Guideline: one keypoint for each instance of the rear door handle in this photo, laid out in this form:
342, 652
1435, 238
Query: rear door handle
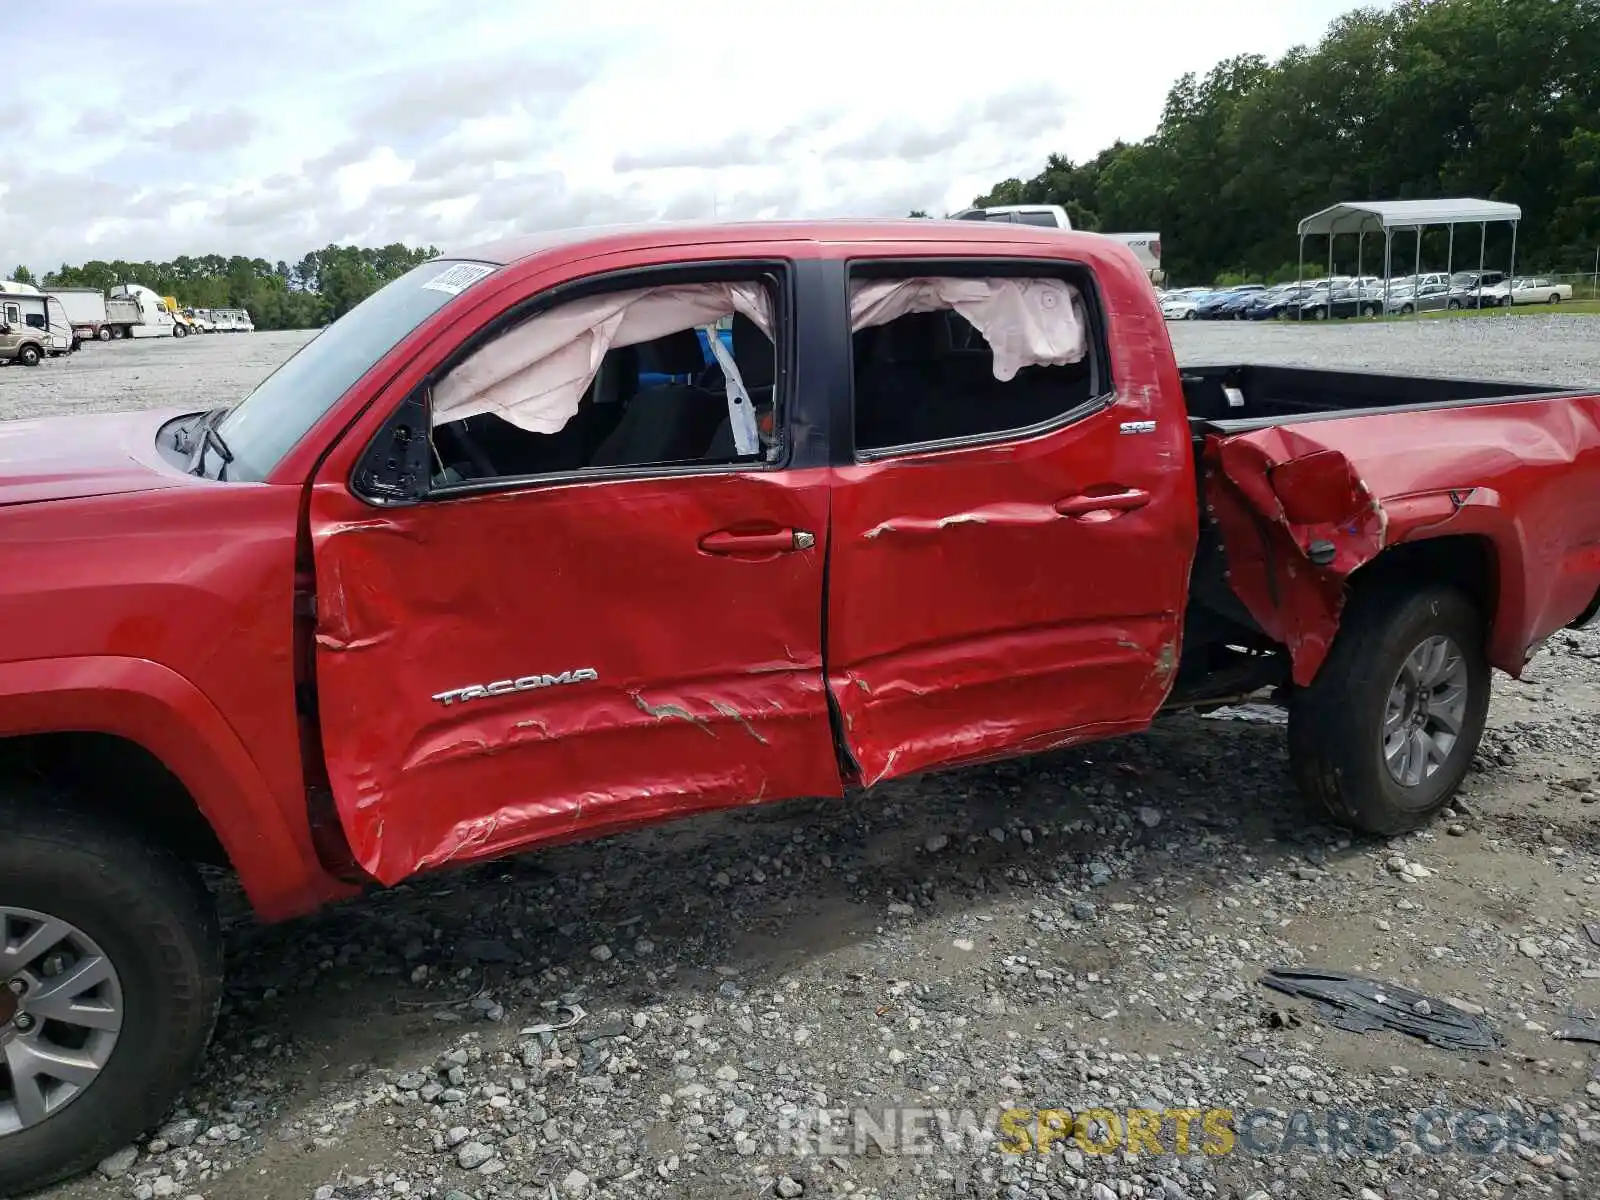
775, 541
1123, 501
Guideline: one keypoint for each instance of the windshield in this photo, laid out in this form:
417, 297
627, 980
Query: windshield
266, 424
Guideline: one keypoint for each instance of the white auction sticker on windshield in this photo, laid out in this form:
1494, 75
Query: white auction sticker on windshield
458, 278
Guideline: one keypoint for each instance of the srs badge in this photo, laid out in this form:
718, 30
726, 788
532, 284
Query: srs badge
527, 683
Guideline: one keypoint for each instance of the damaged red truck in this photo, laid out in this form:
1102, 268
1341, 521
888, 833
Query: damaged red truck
498, 560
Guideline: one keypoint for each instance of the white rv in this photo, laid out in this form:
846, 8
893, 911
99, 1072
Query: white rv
41, 312
232, 320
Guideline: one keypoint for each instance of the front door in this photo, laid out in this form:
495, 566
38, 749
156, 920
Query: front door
1010, 559
577, 630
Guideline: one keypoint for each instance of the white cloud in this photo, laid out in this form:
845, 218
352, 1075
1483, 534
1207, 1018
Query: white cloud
272, 129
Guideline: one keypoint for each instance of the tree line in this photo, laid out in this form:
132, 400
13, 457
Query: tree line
323, 286
1496, 99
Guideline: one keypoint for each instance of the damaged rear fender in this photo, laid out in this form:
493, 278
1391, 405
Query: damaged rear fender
1298, 523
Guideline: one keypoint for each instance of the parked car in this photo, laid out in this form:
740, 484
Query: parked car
1181, 306
1429, 297
1342, 302
1540, 290
1281, 302
1217, 304
1237, 306
324, 670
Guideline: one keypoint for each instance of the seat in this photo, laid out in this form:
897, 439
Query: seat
667, 422
756, 358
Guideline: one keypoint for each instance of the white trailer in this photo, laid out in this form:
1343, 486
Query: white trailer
86, 311
1146, 248
133, 310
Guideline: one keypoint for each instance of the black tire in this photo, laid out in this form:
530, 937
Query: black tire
1406, 310
1336, 724
153, 918
103, 333
1454, 305
1555, 298
28, 356
179, 331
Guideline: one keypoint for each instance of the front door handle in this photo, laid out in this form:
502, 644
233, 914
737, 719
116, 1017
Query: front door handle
1124, 501
767, 541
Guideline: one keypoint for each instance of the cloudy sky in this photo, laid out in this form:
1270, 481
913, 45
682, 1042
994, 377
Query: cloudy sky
270, 128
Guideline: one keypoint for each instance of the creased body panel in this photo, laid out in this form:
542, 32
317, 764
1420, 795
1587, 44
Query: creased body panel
981, 604
1522, 475
625, 674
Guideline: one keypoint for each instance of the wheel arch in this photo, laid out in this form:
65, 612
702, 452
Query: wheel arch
94, 717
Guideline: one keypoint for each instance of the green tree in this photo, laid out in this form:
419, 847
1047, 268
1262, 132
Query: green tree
22, 275
325, 284
1428, 98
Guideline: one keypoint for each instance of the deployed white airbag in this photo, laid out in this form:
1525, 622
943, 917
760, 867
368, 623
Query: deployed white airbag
535, 375
1027, 322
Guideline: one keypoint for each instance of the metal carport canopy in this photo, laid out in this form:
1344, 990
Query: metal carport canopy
1389, 215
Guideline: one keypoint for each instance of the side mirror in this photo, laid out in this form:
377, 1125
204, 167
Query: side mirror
396, 466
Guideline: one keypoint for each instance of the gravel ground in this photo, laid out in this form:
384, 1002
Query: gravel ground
1079, 930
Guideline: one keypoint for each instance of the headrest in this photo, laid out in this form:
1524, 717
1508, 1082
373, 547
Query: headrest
674, 354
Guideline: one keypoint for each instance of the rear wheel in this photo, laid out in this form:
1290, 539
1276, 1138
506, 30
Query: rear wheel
1369, 310
1385, 733
1555, 297
110, 975
1453, 305
1322, 314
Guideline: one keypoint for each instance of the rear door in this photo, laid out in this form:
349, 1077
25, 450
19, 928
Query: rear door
1009, 561
530, 653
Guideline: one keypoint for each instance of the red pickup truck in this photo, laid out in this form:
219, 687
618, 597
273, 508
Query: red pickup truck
499, 560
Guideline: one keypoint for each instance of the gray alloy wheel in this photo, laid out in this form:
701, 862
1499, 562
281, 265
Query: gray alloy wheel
61, 1014
1426, 711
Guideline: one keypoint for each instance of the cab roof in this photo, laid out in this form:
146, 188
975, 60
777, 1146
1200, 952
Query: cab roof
852, 231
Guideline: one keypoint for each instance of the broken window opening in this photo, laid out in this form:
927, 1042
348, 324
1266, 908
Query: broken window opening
674, 375
938, 359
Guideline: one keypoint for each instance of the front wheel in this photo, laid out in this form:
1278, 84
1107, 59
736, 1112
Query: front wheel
1370, 310
28, 356
1555, 297
110, 976
1385, 733
103, 333
179, 331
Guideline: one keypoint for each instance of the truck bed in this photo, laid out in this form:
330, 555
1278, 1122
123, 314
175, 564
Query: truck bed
1263, 395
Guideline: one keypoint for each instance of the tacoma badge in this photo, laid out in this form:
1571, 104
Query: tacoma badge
526, 683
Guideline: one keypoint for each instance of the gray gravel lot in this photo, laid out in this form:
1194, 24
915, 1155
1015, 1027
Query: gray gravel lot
1080, 930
